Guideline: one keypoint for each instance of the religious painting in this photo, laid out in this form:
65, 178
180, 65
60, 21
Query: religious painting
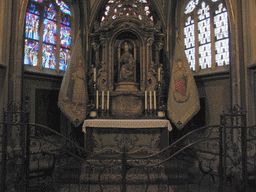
181, 93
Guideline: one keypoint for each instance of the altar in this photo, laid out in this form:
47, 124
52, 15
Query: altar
139, 136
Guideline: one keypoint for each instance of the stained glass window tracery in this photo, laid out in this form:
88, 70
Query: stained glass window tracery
48, 37
206, 34
132, 8
191, 6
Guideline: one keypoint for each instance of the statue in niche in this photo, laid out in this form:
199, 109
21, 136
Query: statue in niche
127, 65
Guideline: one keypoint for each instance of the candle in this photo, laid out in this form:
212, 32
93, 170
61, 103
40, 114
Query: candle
154, 99
97, 99
159, 75
146, 102
94, 74
102, 103
150, 100
108, 100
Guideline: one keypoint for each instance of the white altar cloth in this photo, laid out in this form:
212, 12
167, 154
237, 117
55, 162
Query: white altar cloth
127, 123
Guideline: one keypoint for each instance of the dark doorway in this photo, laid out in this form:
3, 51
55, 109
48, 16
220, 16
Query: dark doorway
49, 114
46, 109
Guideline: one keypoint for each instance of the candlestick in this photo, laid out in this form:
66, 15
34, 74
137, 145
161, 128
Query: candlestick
155, 100
150, 100
159, 74
107, 99
94, 73
102, 100
146, 102
97, 99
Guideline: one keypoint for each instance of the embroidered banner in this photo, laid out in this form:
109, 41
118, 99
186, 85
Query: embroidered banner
183, 100
73, 96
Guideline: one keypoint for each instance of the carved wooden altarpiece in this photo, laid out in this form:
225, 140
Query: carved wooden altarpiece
126, 58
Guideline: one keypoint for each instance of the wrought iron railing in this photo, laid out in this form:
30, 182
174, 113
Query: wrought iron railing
210, 158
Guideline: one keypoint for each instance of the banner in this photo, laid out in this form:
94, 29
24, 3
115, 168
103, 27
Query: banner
73, 96
183, 100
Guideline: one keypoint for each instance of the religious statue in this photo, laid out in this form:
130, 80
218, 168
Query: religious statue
126, 65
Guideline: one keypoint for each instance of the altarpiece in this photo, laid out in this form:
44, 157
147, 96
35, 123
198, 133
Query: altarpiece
125, 79
126, 58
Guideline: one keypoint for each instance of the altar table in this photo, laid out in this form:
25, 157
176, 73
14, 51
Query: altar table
127, 123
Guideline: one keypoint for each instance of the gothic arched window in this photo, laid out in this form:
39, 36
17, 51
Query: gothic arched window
47, 36
206, 34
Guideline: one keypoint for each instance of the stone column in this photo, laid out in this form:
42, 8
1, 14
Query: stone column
5, 30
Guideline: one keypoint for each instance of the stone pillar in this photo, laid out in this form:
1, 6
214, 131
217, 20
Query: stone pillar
5, 32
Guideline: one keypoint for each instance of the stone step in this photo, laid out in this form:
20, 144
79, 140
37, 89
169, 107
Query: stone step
116, 188
132, 188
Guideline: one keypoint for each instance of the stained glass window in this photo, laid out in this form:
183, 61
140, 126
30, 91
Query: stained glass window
31, 52
65, 36
189, 40
39, 1
131, 8
49, 56
191, 6
47, 39
221, 34
32, 26
50, 31
206, 34
63, 7
64, 58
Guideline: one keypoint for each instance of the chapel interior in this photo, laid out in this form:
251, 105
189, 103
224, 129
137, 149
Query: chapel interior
128, 50
151, 38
